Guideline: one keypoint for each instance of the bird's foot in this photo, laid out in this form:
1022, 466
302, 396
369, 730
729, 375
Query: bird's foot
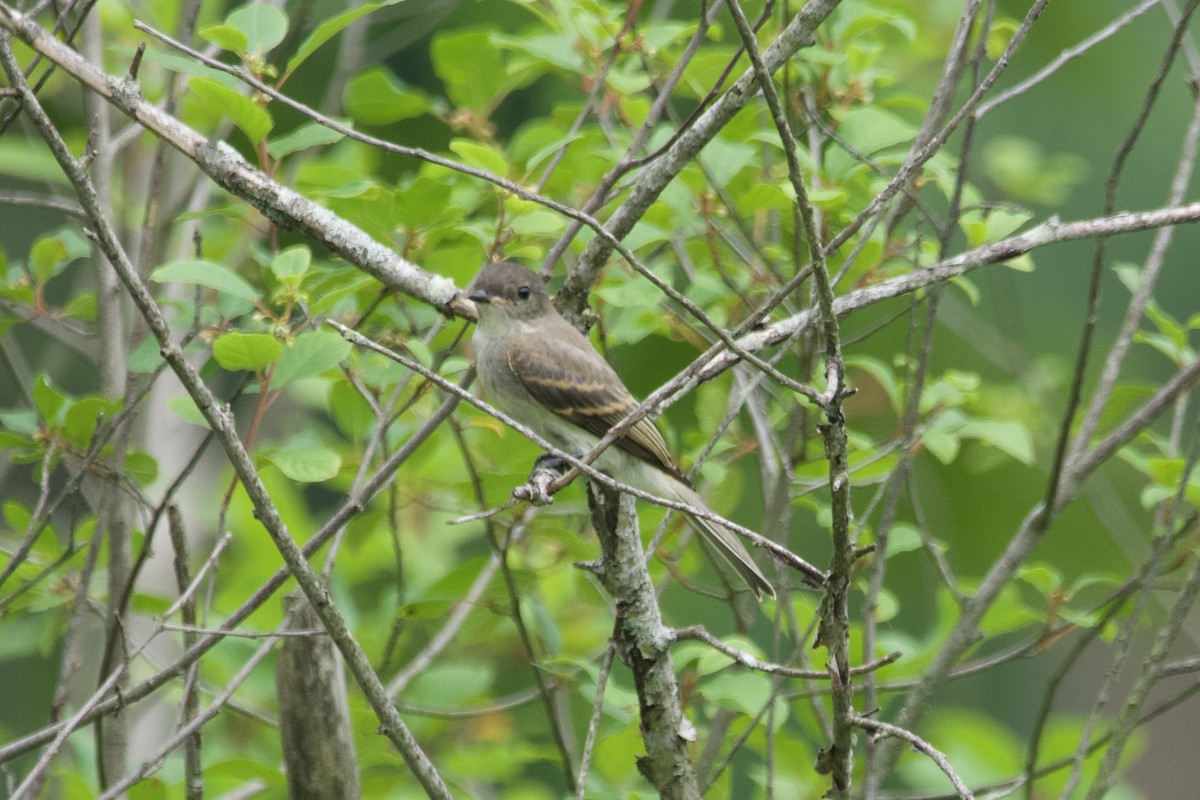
546, 470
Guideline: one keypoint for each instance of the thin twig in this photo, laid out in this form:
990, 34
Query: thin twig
936, 756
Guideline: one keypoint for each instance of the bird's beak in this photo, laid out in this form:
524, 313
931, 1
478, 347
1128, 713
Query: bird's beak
479, 296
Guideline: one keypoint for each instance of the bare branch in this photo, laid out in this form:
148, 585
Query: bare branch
922, 746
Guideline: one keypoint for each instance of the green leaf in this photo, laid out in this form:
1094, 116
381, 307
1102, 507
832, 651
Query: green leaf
480, 155
1042, 577
982, 749
23, 421
712, 661
50, 254
968, 288
306, 464
10, 440
186, 408
16, 515
871, 129
246, 351
902, 538
1168, 326
250, 117
264, 26
291, 264
450, 685
746, 692
82, 306
1006, 435
1003, 221
327, 30
1026, 174
888, 606
312, 134
152, 788
206, 273
85, 414
471, 68
534, 161
861, 18
942, 444
422, 202
226, 37
1021, 263
20, 158
145, 357
377, 97
142, 467
543, 626
550, 49
47, 400
312, 353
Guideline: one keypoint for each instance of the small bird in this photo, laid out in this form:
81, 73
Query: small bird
537, 368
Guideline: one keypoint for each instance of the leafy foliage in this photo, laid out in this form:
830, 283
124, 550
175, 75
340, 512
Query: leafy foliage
957, 440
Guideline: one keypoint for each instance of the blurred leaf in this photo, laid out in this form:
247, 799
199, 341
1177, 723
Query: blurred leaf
1044, 578
20, 420
310, 354
27, 160
82, 306
145, 357
1002, 222
142, 467
712, 661
542, 625
746, 692
471, 67
377, 97
85, 414
246, 351
290, 265
328, 29
861, 18
1027, 175
902, 538
941, 438
186, 408
50, 254
479, 155
981, 749
226, 37
888, 606
251, 118
47, 400
1009, 613
870, 129
310, 134
206, 273
263, 25
422, 202
16, 515
447, 686
1006, 435
305, 464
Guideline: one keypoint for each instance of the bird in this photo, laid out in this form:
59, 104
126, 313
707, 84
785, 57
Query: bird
540, 370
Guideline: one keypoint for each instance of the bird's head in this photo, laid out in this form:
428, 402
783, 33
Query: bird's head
503, 288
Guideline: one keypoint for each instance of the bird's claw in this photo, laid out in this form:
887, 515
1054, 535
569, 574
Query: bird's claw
548, 462
546, 470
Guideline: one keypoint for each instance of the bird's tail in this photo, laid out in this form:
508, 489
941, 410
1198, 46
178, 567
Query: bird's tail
725, 542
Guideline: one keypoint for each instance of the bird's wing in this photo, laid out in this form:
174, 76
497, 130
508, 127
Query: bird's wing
579, 386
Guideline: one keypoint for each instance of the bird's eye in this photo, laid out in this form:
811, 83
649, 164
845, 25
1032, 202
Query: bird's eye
523, 292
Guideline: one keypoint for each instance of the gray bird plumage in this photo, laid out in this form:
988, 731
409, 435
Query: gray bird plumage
536, 367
